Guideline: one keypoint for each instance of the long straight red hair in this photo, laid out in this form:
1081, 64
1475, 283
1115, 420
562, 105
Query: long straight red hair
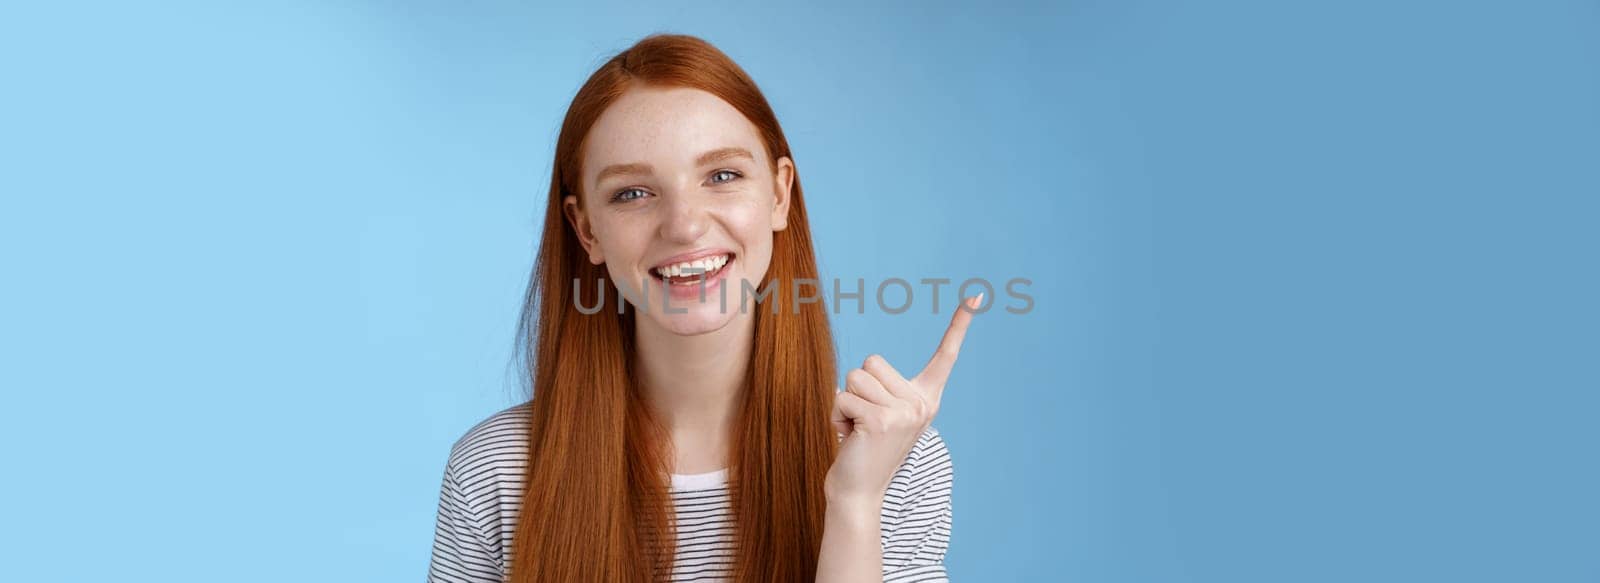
596, 504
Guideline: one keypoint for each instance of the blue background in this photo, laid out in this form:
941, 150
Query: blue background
1314, 283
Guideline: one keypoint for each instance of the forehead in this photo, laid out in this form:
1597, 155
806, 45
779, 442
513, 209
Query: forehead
665, 127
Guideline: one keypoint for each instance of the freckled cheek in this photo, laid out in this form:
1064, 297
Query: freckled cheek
624, 241
748, 224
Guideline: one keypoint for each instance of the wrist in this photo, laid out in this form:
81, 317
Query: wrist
852, 495
855, 505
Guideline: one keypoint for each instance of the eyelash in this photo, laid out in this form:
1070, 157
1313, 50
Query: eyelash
619, 198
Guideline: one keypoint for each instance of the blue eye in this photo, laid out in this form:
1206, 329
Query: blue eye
733, 176
622, 195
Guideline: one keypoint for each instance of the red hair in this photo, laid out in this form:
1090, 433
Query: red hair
596, 505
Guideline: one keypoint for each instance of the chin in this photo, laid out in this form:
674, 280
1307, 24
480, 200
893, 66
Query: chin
699, 320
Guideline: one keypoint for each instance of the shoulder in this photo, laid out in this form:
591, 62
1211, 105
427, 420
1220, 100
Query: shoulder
926, 470
929, 453
494, 429
492, 452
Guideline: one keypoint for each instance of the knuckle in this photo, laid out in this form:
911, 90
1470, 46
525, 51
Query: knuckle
856, 376
872, 360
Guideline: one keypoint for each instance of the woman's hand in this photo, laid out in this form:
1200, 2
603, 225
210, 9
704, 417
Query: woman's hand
882, 414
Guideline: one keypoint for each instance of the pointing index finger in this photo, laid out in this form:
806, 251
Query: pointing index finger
938, 369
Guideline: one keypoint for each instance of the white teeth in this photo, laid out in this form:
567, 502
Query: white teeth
697, 266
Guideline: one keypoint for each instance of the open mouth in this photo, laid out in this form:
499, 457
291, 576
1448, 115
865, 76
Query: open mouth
690, 273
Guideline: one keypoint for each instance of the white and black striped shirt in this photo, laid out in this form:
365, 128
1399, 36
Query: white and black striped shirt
482, 490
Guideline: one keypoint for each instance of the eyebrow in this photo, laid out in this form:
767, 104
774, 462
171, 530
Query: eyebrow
640, 168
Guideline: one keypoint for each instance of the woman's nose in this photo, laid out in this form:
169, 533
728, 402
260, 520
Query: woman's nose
685, 221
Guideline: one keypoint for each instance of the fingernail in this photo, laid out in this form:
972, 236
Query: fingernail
976, 301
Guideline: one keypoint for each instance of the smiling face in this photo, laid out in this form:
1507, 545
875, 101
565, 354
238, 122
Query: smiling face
679, 193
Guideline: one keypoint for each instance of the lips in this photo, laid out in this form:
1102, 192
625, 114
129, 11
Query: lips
691, 267
691, 272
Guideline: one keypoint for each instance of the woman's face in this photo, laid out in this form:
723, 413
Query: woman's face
676, 181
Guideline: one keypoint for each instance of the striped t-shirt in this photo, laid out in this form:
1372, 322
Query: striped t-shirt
484, 477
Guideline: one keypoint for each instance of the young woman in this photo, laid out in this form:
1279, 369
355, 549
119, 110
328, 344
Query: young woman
684, 426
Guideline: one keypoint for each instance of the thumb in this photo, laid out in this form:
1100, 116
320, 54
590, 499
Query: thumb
847, 408
841, 422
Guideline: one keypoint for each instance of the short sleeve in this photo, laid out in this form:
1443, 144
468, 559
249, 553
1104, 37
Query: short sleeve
461, 553
917, 514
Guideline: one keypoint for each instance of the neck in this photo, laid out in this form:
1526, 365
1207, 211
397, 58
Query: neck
693, 385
